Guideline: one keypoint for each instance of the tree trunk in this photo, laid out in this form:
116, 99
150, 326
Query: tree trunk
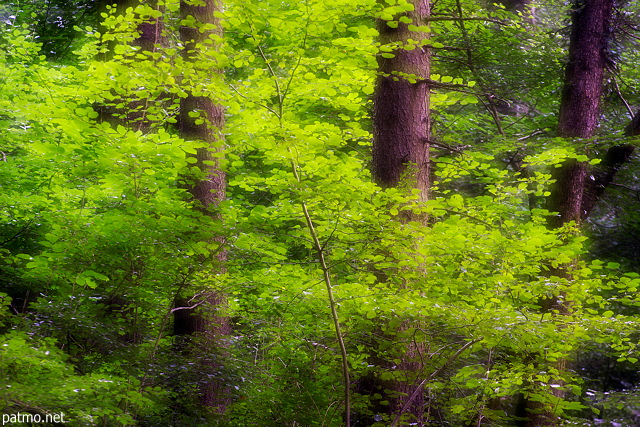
401, 122
516, 5
580, 102
401, 129
151, 34
602, 175
579, 118
197, 320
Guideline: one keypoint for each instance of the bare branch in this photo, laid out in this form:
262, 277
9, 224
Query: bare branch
429, 378
173, 310
626, 104
458, 19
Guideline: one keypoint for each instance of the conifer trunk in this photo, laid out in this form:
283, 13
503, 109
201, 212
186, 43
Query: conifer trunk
202, 328
580, 103
400, 158
578, 118
132, 115
401, 121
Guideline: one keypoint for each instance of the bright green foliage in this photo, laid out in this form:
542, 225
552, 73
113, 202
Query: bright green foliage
99, 233
38, 379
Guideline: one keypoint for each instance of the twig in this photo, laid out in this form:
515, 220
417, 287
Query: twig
459, 19
266, 107
173, 310
531, 135
318, 246
19, 232
450, 86
429, 378
625, 187
450, 148
626, 104
489, 104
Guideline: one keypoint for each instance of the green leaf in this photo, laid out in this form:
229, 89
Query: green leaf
456, 201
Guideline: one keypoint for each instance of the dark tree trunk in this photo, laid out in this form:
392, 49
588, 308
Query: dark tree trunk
602, 175
200, 327
633, 128
401, 129
210, 190
567, 194
580, 103
579, 118
401, 122
151, 36
516, 5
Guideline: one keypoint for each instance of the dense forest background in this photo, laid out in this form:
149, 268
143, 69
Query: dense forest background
320, 212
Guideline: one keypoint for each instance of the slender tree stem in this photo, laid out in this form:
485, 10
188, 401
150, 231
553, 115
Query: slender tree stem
332, 302
319, 248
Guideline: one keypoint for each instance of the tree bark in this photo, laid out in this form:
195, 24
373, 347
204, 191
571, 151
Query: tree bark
151, 35
400, 158
580, 102
401, 121
197, 320
578, 118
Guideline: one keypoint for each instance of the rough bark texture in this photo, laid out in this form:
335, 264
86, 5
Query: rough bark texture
151, 37
411, 364
202, 325
579, 118
401, 128
566, 198
401, 121
210, 191
580, 103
